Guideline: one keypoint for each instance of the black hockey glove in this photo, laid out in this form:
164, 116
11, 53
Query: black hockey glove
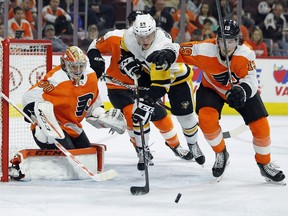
236, 97
162, 58
129, 66
144, 110
97, 62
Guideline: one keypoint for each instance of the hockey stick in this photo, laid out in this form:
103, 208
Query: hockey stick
141, 190
226, 134
109, 174
221, 24
235, 132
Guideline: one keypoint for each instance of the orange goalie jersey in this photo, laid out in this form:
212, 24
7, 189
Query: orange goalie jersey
110, 43
215, 71
71, 102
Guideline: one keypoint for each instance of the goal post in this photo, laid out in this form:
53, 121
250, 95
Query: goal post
22, 64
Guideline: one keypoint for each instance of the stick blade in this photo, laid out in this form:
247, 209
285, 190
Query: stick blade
138, 190
104, 176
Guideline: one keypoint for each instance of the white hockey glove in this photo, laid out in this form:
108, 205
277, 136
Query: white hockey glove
112, 118
42, 137
47, 121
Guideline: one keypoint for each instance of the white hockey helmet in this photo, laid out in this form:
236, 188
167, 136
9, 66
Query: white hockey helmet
74, 63
144, 25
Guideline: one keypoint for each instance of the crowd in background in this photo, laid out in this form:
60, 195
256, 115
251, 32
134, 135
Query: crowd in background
263, 23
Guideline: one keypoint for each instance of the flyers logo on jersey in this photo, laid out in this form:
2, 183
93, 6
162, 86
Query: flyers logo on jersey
83, 104
223, 78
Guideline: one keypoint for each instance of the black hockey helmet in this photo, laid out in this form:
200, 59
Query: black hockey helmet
132, 16
231, 29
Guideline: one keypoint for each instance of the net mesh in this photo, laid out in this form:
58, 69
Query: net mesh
27, 66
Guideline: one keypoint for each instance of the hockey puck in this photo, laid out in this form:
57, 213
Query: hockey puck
178, 197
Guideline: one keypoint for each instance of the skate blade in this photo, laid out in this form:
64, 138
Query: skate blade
283, 183
218, 179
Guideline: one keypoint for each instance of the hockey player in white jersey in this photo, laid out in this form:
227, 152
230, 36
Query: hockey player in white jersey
139, 45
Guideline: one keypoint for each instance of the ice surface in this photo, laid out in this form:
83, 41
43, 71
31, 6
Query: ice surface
242, 191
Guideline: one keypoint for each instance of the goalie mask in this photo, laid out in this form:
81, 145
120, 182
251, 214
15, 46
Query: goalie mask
144, 28
231, 32
74, 63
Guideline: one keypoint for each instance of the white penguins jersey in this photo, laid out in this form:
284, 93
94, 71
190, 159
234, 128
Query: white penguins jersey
177, 73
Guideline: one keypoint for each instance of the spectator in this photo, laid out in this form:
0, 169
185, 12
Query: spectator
205, 12
189, 29
68, 6
207, 31
274, 26
142, 5
29, 14
225, 7
57, 43
18, 27
177, 14
1, 30
101, 15
162, 17
93, 34
263, 9
257, 44
194, 6
53, 14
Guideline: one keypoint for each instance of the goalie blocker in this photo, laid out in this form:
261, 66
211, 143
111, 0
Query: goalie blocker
33, 164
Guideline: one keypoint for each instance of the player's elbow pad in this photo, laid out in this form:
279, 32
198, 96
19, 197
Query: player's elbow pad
97, 62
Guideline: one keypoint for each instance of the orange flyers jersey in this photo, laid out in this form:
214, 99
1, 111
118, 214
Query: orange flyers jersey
71, 103
205, 55
50, 16
177, 73
110, 43
24, 25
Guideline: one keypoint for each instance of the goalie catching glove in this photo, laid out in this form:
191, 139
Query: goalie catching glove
236, 97
144, 110
112, 118
162, 58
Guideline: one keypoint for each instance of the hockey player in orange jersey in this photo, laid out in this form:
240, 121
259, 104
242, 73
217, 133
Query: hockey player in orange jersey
139, 44
242, 95
72, 88
122, 97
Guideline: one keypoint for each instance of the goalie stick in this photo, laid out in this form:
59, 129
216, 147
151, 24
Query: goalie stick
141, 190
226, 134
103, 176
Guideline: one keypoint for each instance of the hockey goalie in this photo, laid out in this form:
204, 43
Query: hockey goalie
56, 105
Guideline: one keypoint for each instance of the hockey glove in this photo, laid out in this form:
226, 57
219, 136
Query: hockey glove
97, 62
113, 119
236, 97
129, 67
144, 111
162, 58
42, 137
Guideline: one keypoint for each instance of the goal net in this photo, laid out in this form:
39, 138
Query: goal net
22, 64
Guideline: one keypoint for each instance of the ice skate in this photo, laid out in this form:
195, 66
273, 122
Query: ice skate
197, 153
220, 165
182, 153
271, 174
148, 157
15, 173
